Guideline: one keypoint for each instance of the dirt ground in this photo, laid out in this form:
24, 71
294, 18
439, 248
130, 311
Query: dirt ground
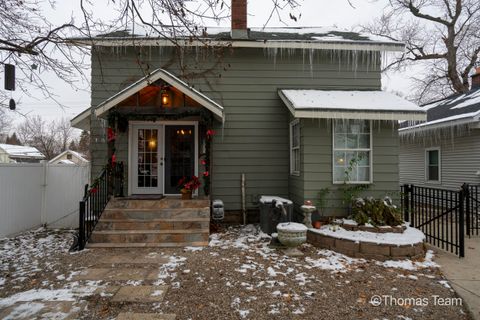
237, 277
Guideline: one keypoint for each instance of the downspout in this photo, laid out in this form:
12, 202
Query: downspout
244, 209
43, 209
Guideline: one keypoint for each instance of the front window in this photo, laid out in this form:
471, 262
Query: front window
295, 147
352, 151
433, 165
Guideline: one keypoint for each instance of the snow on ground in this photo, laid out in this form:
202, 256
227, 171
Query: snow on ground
411, 265
31, 252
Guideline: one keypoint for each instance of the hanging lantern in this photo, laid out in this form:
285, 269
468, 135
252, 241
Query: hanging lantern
12, 104
165, 97
9, 77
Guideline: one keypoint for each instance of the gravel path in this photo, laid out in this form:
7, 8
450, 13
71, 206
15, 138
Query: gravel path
237, 276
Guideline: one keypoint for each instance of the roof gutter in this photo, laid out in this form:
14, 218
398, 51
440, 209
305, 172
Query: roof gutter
263, 44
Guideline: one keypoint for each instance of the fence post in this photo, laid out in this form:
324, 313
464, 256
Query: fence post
461, 223
466, 190
406, 202
411, 205
81, 226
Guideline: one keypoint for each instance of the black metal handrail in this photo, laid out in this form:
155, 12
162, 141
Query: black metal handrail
95, 199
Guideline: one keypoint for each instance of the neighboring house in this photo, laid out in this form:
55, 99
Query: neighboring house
69, 157
291, 108
444, 152
10, 153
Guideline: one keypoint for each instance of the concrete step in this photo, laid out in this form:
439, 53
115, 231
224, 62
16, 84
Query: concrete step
147, 245
149, 236
165, 203
150, 214
154, 224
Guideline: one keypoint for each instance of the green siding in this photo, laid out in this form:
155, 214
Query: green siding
254, 138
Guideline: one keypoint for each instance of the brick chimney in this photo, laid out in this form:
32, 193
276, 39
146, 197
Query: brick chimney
476, 79
239, 20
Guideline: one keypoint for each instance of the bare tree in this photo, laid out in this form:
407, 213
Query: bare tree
441, 35
4, 121
50, 138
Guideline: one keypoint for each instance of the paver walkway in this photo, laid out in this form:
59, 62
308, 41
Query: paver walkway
117, 281
464, 273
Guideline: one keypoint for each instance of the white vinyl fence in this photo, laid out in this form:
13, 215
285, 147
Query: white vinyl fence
34, 194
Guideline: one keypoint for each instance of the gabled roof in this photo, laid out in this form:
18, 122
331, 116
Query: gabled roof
458, 109
80, 120
339, 104
73, 153
15, 151
283, 37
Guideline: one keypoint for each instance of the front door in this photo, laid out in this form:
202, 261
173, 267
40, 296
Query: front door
147, 161
179, 155
162, 154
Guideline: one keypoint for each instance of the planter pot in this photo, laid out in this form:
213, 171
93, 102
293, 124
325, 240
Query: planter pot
187, 195
317, 224
291, 235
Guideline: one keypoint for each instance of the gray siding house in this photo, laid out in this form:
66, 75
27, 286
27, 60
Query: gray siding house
444, 152
291, 108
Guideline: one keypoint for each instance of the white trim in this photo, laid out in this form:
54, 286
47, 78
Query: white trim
81, 121
427, 150
166, 76
291, 125
161, 124
370, 150
353, 45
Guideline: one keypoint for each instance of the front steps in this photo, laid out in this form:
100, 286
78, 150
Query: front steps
167, 222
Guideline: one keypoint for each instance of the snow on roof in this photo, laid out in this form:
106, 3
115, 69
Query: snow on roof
77, 155
286, 37
458, 109
336, 104
21, 151
66, 161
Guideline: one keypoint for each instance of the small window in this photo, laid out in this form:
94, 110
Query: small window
433, 165
69, 156
352, 151
295, 147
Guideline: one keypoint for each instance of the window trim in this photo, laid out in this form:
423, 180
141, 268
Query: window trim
362, 149
295, 122
426, 166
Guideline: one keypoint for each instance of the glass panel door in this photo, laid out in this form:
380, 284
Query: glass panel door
179, 155
147, 161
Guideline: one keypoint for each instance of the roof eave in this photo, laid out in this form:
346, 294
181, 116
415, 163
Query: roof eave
361, 45
439, 125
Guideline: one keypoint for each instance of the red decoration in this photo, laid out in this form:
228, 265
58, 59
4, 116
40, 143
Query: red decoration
206, 174
190, 185
203, 162
110, 135
210, 133
94, 190
114, 158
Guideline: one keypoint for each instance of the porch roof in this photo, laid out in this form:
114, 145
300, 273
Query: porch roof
337, 104
81, 120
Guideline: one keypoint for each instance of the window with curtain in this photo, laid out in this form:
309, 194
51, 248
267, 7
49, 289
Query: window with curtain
352, 151
295, 147
433, 165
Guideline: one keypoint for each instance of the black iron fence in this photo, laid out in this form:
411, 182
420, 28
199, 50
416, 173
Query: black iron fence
96, 197
444, 216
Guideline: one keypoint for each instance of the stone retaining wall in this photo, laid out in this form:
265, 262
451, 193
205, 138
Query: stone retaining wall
367, 250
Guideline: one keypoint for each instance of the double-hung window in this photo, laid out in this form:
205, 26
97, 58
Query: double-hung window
352, 151
295, 147
432, 164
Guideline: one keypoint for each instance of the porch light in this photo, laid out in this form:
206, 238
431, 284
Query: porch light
165, 98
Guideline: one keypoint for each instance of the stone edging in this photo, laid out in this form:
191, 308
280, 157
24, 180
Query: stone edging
385, 229
367, 250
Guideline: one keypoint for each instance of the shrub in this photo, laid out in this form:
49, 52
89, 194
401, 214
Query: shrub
377, 212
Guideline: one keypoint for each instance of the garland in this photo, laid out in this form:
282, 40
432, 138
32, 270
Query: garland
119, 121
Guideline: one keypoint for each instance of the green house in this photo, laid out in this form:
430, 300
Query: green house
299, 112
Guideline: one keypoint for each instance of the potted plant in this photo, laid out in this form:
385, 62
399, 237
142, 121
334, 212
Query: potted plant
187, 186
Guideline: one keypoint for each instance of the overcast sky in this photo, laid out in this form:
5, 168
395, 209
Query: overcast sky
313, 13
